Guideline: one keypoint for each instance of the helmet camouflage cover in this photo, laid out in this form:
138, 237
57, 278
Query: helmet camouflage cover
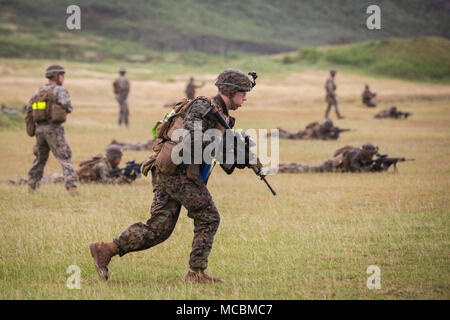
113, 151
54, 70
231, 81
328, 123
369, 148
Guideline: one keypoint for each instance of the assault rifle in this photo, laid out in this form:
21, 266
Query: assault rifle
335, 132
132, 171
214, 114
401, 114
382, 163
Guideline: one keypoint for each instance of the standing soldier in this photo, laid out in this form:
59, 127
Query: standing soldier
330, 97
121, 89
48, 108
181, 185
190, 88
367, 96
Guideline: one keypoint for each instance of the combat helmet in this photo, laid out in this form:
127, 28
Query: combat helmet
369, 148
328, 123
114, 151
122, 69
54, 70
333, 71
231, 81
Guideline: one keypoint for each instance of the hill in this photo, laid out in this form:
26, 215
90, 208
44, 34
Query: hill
142, 30
422, 58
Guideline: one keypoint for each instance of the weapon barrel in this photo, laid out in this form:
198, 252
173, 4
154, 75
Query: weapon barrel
255, 169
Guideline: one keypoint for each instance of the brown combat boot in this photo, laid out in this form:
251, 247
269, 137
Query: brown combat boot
73, 191
196, 275
102, 253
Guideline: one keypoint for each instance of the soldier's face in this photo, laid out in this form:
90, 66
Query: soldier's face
116, 162
239, 98
60, 79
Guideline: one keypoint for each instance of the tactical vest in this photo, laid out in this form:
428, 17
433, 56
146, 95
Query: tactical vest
340, 162
86, 172
43, 107
164, 143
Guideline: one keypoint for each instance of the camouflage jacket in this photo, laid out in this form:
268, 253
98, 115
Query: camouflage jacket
354, 161
103, 172
60, 96
330, 86
121, 86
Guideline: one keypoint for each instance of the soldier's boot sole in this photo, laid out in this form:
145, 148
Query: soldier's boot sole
102, 272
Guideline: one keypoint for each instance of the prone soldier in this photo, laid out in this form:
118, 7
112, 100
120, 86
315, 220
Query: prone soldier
144, 145
314, 130
45, 113
345, 159
97, 169
103, 170
392, 113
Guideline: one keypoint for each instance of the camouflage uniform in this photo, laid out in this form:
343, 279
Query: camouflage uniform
101, 170
326, 166
346, 159
182, 187
392, 113
51, 136
330, 97
190, 89
121, 90
144, 145
314, 130
367, 97
50, 178
284, 134
170, 193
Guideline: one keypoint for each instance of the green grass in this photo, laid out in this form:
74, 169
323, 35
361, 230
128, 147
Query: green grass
314, 240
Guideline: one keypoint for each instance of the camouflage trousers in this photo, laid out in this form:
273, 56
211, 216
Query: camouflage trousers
51, 178
332, 102
170, 193
326, 166
51, 137
123, 109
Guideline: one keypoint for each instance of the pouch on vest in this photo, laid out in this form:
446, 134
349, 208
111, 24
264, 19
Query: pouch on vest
86, 172
30, 124
58, 114
116, 87
163, 160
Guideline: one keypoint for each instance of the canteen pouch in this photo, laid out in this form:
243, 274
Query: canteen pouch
163, 160
58, 114
30, 125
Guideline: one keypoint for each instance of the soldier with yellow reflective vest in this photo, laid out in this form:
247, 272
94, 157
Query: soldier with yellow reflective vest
45, 112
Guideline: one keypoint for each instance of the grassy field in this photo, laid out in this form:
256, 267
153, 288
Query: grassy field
314, 240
